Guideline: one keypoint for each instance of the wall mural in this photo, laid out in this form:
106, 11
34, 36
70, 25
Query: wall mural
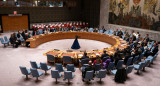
135, 13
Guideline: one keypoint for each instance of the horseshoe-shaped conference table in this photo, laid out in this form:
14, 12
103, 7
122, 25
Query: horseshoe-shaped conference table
115, 41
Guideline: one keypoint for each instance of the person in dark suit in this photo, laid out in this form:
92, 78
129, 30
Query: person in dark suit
37, 32
127, 56
153, 50
116, 32
85, 56
133, 38
103, 29
44, 29
13, 40
19, 34
120, 33
144, 43
88, 68
117, 56
34, 31
26, 37
104, 55
142, 47
23, 33
127, 50
19, 37
147, 38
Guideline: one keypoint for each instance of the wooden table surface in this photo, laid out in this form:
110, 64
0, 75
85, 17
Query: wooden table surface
113, 40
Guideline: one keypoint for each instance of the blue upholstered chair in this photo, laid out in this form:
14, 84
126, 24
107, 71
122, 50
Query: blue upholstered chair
6, 39
101, 74
89, 75
114, 72
97, 67
129, 61
139, 67
129, 69
45, 67
107, 32
152, 58
68, 75
84, 66
146, 64
35, 65
100, 31
150, 46
36, 73
119, 64
67, 59
141, 56
50, 58
25, 71
110, 66
135, 59
55, 74
59, 67
4, 42
70, 67
111, 32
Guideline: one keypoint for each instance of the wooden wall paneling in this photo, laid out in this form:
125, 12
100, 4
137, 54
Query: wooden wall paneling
12, 23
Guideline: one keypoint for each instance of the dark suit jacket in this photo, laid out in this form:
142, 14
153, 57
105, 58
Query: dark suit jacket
23, 34
44, 30
33, 33
13, 40
126, 58
146, 38
155, 50
18, 35
104, 55
88, 68
84, 57
26, 37
120, 33
116, 54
